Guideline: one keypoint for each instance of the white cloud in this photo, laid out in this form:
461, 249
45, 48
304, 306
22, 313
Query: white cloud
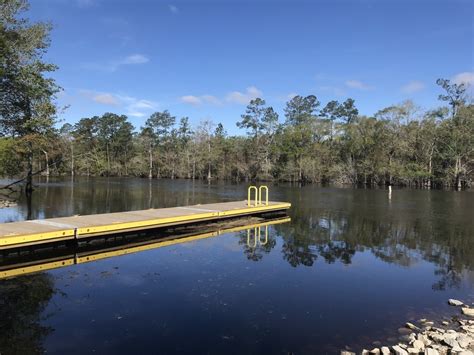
359, 85
211, 100
243, 98
135, 59
174, 9
106, 99
192, 100
412, 87
234, 97
132, 106
199, 100
465, 78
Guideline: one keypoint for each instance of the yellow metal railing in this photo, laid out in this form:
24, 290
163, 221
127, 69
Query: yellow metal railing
258, 195
257, 237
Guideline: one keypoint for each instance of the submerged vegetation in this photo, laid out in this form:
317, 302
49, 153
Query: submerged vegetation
308, 142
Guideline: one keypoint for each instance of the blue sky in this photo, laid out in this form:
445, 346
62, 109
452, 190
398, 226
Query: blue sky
207, 59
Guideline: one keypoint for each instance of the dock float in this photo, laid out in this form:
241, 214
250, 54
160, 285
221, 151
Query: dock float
77, 255
34, 232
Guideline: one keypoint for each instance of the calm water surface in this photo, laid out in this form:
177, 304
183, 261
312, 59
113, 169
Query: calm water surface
351, 267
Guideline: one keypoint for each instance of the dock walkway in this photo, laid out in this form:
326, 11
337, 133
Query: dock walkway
18, 234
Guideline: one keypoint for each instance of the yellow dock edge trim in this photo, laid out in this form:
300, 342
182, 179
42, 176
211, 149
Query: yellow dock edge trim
36, 268
28, 238
124, 227
99, 256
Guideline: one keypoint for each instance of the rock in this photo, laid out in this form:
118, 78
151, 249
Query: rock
411, 326
399, 350
365, 352
436, 337
429, 351
385, 350
445, 323
463, 340
424, 338
456, 349
466, 352
454, 302
451, 342
468, 311
345, 352
404, 331
375, 351
418, 344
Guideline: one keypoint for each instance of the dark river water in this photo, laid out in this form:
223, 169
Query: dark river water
350, 268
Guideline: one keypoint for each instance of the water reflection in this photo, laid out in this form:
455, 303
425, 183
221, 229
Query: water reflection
21, 313
256, 242
28, 260
350, 268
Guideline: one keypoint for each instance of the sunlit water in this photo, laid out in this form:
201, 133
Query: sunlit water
350, 268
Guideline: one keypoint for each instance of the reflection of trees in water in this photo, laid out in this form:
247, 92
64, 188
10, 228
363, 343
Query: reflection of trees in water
23, 299
393, 239
254, 249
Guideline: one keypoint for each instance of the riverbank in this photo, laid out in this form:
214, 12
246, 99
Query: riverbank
455, 336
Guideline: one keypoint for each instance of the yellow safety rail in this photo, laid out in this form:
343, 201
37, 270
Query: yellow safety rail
257, 236
263, 187
249, 195
258, 195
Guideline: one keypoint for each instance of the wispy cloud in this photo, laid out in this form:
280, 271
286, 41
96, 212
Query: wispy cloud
135, 59
112, 66
243, 98
199, 100
234, 97
131, 106
359, 85
174, 9
413, 86
464, 78
106, 99
191, 99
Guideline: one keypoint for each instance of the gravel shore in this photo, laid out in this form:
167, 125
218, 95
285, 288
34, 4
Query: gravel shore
426, 337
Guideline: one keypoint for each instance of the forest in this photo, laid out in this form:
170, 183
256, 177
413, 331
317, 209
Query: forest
309, 142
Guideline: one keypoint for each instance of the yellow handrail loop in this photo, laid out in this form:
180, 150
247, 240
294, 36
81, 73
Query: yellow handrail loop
257, 237
249, 195
263, 187
254, 239
258, 195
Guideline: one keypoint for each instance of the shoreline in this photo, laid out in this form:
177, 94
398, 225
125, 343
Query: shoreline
432, 338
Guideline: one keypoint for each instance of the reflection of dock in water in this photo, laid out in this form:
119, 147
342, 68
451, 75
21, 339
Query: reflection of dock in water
35, 232
21, 261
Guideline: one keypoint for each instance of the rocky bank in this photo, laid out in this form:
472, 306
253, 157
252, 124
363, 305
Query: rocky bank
426, 337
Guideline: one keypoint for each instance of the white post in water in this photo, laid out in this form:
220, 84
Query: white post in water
389, 192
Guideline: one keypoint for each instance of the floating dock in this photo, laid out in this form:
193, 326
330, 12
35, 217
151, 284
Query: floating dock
34, 232
257, 234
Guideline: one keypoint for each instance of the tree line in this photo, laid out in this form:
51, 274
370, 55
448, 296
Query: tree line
333, 144
307, 142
